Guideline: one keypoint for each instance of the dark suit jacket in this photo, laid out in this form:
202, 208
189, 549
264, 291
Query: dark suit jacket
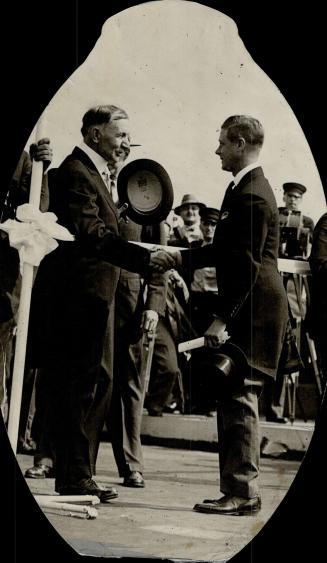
72, 310
130, 302
318, 264
252, 299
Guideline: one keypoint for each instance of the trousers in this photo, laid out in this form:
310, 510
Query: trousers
239, 439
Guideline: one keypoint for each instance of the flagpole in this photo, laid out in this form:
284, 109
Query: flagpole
24, 307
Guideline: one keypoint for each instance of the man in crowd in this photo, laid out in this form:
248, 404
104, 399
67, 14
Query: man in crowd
204, 288
203, 303
252, 307
296, 228
189, 234
295, 241
138, 308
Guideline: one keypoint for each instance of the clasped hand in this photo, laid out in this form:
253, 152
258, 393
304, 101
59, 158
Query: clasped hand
161, 261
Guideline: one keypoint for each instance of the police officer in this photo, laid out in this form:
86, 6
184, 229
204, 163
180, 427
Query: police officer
296, 228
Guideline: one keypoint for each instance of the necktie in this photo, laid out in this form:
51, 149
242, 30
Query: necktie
113, 191
106, 179
229, 191
111, 185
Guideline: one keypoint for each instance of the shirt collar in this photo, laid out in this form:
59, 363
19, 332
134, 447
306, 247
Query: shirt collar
191, 228
244, 171
99, 162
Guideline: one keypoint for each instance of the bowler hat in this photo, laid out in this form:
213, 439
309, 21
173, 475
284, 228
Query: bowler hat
145, 186
288, 186
188, 199
209, 214
227, 366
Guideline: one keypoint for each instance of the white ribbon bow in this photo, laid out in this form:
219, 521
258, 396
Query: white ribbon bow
34, 234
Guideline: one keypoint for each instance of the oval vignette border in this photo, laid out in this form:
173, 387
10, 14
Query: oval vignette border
42, 35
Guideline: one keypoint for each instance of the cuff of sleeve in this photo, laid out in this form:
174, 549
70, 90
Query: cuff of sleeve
226, 309
178, 258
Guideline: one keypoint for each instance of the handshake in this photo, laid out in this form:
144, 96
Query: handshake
163, 260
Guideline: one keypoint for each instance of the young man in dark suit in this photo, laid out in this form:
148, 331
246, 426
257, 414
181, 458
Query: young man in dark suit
252, 306
72, 313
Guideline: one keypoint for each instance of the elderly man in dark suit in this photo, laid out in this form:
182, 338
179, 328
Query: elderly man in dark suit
252, 306
75, 291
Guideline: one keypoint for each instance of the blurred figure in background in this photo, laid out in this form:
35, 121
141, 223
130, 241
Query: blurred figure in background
166, 390
203, 303
204, 288
294, 243
318, 311
295, 228
138, 307
189, 233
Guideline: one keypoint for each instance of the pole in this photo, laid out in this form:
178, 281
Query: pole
191, 344
24, 308
148, 342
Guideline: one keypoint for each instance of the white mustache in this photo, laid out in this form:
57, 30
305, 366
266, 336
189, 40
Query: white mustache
123, 152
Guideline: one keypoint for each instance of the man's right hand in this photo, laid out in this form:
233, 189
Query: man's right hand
42, 151
161, 260
149, 321
216, 334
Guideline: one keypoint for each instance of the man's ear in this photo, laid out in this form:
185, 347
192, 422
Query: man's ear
241, 143
284, 199
95, 134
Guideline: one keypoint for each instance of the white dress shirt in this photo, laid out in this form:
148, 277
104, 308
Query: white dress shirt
102, 167
244, 171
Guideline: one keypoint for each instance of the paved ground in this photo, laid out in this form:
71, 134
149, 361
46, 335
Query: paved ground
158, 521
201, 431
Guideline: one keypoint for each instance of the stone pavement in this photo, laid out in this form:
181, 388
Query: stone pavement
158, 521
201, 431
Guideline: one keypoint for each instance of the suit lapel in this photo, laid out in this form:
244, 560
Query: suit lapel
231, 193
249, 178
101, 186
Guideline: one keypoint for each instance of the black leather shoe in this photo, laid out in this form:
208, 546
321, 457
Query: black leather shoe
89, 487
25, 447
39, 471
134, 479
230, 505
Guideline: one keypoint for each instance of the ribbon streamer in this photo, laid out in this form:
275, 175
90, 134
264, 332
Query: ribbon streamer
34, 234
